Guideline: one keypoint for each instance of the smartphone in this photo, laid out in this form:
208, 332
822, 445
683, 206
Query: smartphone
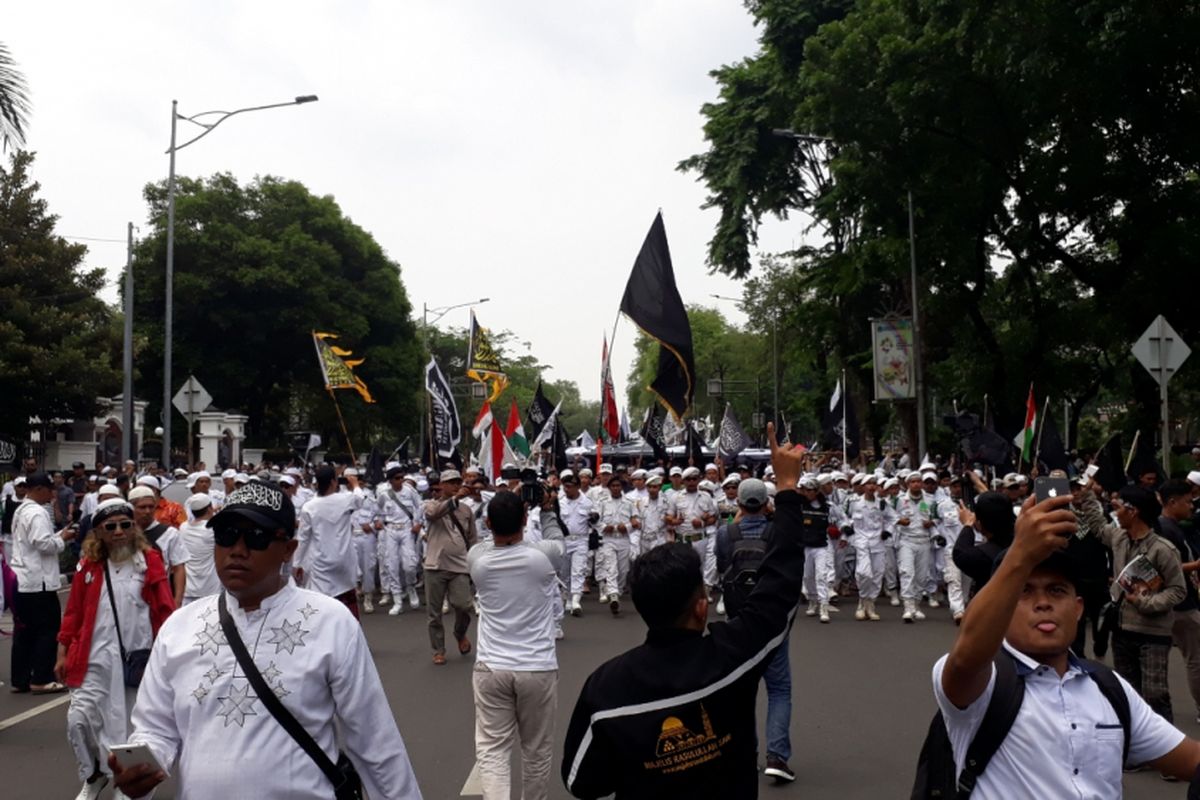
1045, 488
130, 755
1092, 470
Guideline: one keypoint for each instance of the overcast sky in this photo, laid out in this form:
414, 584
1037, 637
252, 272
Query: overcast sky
513, 150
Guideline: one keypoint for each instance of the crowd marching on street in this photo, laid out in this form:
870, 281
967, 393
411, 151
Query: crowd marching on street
181, 616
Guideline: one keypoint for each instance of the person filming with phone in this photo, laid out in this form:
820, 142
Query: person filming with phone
1074, 721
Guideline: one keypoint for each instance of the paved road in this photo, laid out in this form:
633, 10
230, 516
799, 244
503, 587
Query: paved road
861, 697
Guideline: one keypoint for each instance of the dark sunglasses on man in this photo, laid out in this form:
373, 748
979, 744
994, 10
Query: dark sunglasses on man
112, 526
256, 538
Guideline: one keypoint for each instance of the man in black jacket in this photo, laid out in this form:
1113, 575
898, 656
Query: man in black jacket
674, 717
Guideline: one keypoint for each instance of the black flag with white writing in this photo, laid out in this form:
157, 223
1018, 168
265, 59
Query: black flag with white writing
652, 432
733, 438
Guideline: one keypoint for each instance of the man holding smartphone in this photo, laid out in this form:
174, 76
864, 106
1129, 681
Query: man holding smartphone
36, 546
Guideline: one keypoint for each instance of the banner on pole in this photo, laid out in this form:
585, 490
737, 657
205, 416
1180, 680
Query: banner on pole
447, 431
892, 347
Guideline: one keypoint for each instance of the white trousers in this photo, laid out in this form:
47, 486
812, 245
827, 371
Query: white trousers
706, 549
622, 549
912, 560
98, 715
818, 566
366, 552
397, 559
575, 563
891, 574
954, 586
937, 564
607, 574
868, 571
641, 542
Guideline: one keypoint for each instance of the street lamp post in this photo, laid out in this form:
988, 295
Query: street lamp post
441, 311
168, 313
912, 251
774, 350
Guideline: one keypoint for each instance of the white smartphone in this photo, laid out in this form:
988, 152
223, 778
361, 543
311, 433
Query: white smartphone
130, 755
1092, 470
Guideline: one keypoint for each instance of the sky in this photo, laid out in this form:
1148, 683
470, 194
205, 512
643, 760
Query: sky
512, 150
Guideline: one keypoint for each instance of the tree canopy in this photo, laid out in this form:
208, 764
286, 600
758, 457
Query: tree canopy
59, 342
258, 268
1051, 154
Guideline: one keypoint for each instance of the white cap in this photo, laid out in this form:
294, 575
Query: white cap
287, 480
707, 467
857, 479
838, 475
198, 502
180, 472
241, 477
807, 482
472, 469
586, 473
1194, 477
195, 476
605, 468
149, 480
422, 485
19, 480
654, 480
890, 482
676, 470
659, 471
566, 473
868, 477
824, 478
927, 465
638, 474
929, 475
414, 478
107, 490
707, 486
229, 474
293, 471
732, 480
138, 492
390, 465
511, 465
350, 472
691, 472
770, 470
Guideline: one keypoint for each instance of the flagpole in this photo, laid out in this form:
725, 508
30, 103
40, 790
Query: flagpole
1132, 450
337, 407
1037, 448
845, 400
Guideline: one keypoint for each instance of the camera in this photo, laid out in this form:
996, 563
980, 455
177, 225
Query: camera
532, 491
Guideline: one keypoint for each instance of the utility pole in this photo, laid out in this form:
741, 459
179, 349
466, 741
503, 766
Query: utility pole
912, 252
127, 356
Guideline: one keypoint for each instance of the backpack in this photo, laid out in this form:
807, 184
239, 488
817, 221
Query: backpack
741, 577
936, 778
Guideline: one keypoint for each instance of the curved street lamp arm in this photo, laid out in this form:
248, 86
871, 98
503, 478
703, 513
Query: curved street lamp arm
224, 115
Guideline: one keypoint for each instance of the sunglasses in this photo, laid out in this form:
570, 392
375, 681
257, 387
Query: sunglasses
255, 538
112, 526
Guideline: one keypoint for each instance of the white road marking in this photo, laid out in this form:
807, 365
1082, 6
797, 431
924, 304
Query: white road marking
33, 712
474, 786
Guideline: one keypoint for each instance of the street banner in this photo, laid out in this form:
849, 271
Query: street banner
447, 430
892, 346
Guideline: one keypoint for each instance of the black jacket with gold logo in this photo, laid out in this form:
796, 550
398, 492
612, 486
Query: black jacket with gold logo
674, 717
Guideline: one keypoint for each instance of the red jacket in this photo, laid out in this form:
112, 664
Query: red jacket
80, 618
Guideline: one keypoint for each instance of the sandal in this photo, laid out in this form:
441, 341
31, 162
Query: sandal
439, 659
464, 645
54, 687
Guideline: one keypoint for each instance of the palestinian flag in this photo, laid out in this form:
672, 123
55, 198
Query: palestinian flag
514, 431
1024, 438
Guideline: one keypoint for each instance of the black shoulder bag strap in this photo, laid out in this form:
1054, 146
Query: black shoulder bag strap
269, 699
1007, 696
113, 602
458, 525
391, 493
1112, 690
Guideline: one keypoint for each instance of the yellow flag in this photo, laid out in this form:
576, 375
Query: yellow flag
338, 370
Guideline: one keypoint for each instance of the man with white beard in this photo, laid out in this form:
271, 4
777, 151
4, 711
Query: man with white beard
119, 599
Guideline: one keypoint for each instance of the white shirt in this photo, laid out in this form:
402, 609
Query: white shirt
174, 551
575, 514
128, 579
87, 506
871, 518
202, 578
194, 702
692, 505
1066, 741
35, 548
326, 549
517, 585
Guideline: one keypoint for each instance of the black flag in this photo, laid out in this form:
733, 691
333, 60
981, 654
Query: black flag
538, 412
1145, 459
375, 466
733, 439
652, 433
840, 410
980, 444
1051, 450
652, 301
8, 454
447, 430
1111, 474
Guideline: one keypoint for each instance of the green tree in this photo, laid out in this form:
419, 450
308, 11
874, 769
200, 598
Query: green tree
58, 340
257, 269
740, 358
14, 101
1051, 155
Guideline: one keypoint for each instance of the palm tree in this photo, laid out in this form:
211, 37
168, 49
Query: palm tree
14, 102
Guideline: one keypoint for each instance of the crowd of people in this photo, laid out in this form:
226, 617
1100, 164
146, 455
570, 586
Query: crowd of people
181, 616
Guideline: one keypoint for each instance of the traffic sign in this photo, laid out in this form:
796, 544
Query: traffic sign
1160, 350
191, 399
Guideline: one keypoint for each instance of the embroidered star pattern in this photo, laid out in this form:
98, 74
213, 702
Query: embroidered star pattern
271, 673
213, 674
288, 637
238, 705
211, 637
208, 612
200, 693
307, 611
280, 691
